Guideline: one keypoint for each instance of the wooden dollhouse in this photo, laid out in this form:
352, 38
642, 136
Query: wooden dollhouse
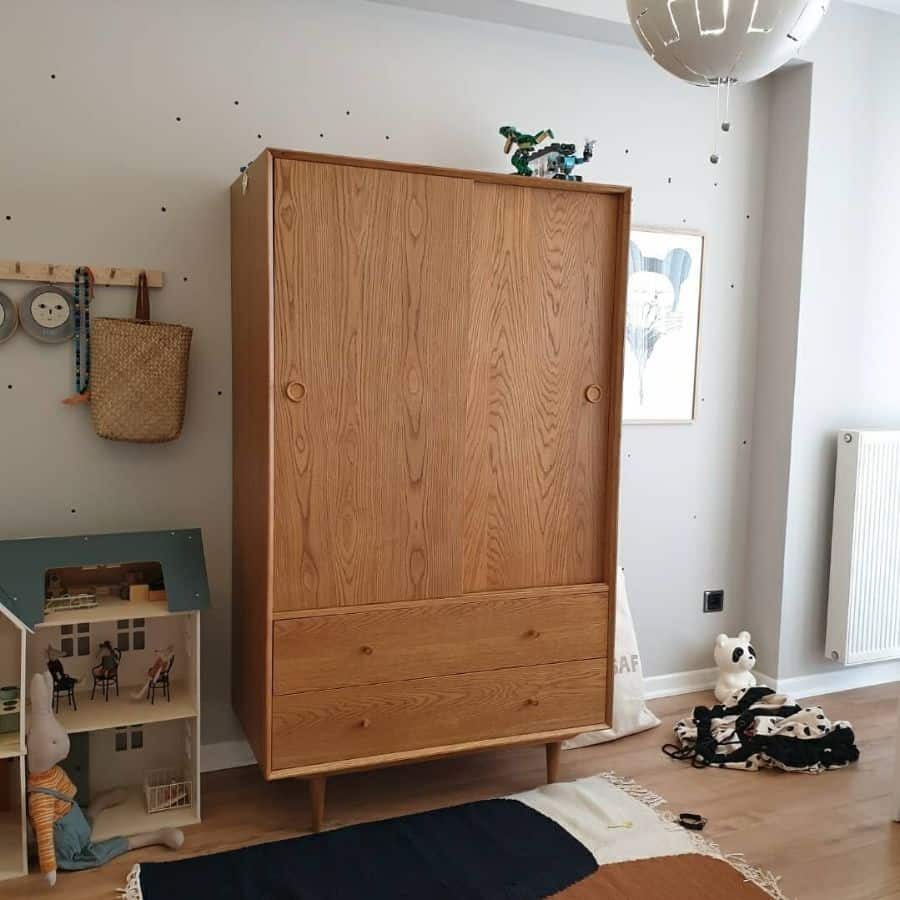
99, 606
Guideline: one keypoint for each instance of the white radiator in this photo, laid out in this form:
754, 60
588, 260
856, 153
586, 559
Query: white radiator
864, 590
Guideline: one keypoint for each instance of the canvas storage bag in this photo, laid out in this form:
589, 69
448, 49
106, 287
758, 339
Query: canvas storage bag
139, 372
630, 712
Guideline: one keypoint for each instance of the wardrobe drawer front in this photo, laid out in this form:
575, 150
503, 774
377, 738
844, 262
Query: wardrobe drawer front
354, 722
445, 637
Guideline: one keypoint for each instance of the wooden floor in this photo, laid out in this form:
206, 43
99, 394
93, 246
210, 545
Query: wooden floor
828, 836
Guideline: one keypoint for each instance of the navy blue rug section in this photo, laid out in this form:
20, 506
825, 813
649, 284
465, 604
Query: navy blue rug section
492, 850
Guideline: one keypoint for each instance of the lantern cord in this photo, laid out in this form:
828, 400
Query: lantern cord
714, 156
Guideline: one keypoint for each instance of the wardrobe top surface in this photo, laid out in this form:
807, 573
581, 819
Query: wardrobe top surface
483, 177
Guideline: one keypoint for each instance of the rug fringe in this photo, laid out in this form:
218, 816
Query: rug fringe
132, 889
764, 879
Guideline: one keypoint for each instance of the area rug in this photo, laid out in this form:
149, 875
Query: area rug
600, 837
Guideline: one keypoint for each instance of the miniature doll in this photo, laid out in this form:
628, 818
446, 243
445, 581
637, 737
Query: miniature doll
160, 667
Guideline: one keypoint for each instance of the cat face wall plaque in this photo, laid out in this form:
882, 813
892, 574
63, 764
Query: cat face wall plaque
48, 314
9, 318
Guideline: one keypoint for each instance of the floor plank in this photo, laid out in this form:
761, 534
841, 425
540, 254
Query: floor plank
827, 836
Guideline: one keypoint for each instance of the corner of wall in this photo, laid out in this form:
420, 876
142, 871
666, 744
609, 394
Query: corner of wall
776, 355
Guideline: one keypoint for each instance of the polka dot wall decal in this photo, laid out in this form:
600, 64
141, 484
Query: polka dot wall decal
177, 118
162, 209
237, 102
53, 75
9, 218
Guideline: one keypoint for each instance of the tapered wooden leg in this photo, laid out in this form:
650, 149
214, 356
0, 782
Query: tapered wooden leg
553, 762
317, 801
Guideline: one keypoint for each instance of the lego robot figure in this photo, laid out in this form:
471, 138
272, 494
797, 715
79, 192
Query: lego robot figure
559, 160
525, 144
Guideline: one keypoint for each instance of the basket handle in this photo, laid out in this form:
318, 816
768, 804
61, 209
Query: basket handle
142, 305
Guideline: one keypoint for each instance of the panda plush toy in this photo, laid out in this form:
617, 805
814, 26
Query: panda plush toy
735, 658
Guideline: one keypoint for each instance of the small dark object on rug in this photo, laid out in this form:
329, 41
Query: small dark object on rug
692, 821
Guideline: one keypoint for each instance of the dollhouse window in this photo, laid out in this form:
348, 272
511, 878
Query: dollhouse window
75, 638
130, 634
130, 735
83, 633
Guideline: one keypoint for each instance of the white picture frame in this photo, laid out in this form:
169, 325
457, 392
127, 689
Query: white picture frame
662, 326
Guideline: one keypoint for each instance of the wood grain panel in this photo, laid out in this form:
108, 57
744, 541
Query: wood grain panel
544, 290
345, 723
442, 637
251, 325
371, 311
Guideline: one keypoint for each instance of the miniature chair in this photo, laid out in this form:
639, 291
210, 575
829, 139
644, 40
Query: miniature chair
107, 672
162, 682
62, 684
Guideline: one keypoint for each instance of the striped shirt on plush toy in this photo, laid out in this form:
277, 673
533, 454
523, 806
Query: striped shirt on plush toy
45, 810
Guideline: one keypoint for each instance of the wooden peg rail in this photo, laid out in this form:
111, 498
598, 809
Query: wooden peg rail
61, 274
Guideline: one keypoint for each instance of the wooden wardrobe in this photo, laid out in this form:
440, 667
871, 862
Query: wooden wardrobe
427, 384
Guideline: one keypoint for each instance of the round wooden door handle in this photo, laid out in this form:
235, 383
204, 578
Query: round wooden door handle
532, 701
368, 650
593, 393
532, 633
295, 391
364, 723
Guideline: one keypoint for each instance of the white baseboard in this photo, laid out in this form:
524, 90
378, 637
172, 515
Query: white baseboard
842, 678
225, 755
680, 683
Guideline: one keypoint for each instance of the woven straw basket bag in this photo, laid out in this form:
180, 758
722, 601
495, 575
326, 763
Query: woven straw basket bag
139, 373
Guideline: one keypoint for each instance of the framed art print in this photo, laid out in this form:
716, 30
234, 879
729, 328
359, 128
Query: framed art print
662, 326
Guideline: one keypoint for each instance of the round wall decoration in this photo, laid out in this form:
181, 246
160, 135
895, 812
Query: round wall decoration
47, 314
9, 318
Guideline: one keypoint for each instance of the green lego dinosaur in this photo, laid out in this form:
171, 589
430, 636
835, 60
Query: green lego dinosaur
525, 144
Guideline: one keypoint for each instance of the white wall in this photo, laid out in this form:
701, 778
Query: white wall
89, 158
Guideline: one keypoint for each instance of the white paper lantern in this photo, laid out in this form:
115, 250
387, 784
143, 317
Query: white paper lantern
721, 42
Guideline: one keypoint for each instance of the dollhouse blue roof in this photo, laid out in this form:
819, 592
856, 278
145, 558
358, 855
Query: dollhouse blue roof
24, 564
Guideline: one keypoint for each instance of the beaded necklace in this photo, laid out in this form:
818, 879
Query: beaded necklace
84, 292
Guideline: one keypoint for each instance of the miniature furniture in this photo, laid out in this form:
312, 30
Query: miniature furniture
162, 683
427, 381
62, 684
105, 735
107, 673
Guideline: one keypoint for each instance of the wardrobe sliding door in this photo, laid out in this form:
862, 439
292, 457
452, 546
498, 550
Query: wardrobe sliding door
371, 311
537, 410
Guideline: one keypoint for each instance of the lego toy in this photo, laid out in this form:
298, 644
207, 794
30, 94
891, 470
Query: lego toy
559, 160
525, 144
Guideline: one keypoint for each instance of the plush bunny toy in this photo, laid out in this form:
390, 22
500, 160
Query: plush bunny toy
62, 832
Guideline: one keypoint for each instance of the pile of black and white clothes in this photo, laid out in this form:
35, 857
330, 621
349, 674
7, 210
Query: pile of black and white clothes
762, 729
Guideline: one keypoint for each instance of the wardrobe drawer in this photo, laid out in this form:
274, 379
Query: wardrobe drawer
443, 637
354, 722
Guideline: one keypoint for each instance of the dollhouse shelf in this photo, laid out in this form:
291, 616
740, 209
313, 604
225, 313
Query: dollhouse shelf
99, 714
131, 817
10, 745
107, 611
53, 273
